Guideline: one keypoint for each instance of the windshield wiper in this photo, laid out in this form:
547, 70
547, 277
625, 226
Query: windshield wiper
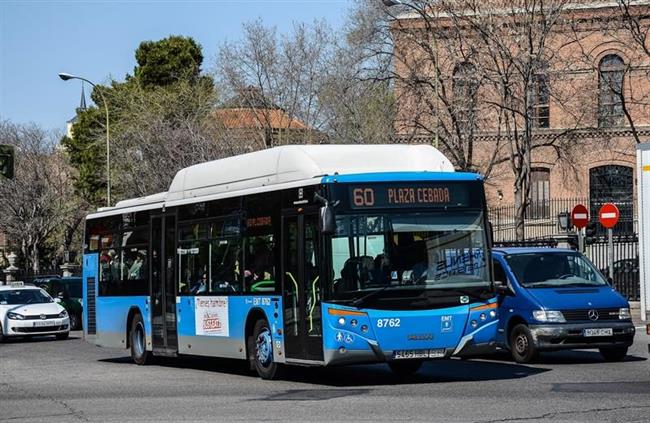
466, 291
361, 300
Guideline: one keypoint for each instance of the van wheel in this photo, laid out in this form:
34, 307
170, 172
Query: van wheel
521, 345
613, 354
405, 367
138, 341
260, 351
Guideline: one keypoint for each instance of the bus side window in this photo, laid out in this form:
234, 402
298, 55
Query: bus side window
259, 264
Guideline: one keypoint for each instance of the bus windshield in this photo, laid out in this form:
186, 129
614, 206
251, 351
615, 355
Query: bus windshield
424, 254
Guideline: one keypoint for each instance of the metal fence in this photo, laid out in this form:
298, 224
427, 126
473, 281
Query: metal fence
543, 222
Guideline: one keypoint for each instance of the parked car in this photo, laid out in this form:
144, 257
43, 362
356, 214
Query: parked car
70, 293
29, 310
556, 299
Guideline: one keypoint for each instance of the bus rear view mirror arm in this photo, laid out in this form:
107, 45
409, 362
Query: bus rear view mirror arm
502, 288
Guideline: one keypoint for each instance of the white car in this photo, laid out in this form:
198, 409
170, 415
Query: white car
28, 311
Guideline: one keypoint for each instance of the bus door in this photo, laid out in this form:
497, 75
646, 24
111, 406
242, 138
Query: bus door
301, 288
163, 293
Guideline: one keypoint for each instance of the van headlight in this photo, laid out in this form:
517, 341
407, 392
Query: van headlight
63, 314
624, 314
548, 316
15, 316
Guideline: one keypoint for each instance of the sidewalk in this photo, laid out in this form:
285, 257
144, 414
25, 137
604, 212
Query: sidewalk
635, 311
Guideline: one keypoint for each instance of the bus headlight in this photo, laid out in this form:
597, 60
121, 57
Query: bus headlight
548, 316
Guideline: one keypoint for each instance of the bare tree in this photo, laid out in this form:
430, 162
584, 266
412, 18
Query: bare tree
267, 73
40, 200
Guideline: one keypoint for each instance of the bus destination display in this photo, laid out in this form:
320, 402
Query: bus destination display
412, 195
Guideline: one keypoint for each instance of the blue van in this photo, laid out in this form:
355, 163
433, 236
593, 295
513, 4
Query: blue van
556, 299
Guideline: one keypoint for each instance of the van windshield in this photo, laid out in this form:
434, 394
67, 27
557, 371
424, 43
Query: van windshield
554, 269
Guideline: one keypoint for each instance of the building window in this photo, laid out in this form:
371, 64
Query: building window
540, 97
611, 71
465, 87
540, 193
612, 184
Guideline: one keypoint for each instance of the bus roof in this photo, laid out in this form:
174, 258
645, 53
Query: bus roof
285, 167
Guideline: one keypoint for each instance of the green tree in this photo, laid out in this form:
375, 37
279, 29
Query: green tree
167, 61
87, 155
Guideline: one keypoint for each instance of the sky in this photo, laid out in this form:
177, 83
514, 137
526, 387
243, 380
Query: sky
97, 40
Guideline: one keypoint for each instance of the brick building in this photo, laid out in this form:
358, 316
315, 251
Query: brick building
587, 97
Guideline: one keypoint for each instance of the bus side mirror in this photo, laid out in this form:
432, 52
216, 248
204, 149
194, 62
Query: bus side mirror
327, 222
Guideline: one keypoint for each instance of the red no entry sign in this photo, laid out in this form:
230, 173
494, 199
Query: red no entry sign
608, 215
580, 216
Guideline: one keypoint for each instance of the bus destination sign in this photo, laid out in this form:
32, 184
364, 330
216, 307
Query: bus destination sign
411, 195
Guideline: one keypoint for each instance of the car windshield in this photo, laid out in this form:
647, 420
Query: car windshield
24, 296
554, 269
427, 252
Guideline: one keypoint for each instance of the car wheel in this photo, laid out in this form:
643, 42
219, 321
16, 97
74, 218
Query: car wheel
138, 342
613, 354
405, 367
521, 345
260, 347
74, 321
62, 336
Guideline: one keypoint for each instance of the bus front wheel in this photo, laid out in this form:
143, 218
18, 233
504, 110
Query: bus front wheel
138, 341
260, 347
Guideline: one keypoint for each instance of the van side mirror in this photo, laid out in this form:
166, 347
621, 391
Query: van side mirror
502, 288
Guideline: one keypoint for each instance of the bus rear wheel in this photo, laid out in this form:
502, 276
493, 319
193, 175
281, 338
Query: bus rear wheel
138, 341
405, 367
260, 347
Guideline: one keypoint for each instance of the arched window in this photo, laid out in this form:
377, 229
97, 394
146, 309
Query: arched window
465, 87
540, 96
611, 71
612, 184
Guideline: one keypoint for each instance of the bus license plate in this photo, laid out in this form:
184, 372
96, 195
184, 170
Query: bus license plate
599, 332
406, 354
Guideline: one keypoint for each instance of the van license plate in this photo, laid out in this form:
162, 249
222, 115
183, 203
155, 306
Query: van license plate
406, 354
599, 332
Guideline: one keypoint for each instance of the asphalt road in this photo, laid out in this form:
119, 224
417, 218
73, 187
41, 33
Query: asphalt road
44, 380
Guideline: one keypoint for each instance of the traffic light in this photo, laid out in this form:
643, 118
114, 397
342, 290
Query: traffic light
590, 233
7, 161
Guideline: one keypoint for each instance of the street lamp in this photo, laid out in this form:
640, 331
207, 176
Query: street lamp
66, 77
434, 45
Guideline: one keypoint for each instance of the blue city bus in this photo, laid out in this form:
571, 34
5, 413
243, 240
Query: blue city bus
311, 255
